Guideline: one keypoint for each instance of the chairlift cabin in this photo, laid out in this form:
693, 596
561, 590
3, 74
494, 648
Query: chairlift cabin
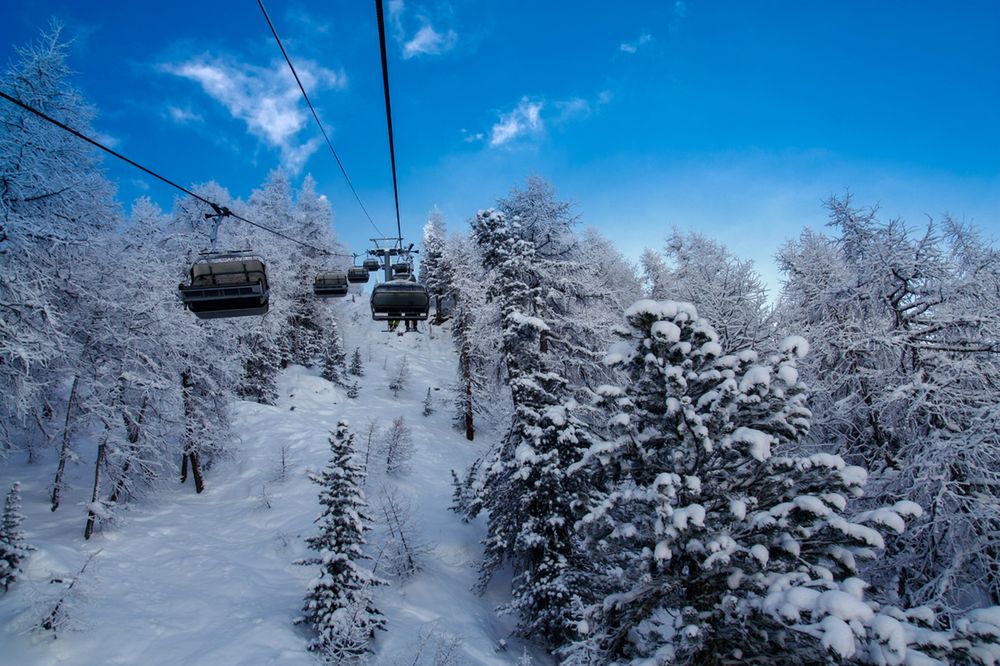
230, 284
371, 265
357, 275
330, 284
400, 267
400, 300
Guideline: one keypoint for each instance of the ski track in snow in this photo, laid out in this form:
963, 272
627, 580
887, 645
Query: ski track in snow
209, 579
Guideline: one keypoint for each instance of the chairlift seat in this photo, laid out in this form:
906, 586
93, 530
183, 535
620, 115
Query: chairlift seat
226, 286
400, 300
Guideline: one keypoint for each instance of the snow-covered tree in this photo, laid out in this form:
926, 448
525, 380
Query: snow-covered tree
905, 328
334, 358
469, 299
357, 367
401, 376
56, 208
13, 548
398, 447
339, 606
711, 542
525, 489
428, 403
727, 290
435, 271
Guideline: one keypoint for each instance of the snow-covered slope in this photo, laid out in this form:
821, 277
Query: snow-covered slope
199, 579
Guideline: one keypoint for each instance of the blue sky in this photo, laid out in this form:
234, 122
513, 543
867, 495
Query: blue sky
734, 118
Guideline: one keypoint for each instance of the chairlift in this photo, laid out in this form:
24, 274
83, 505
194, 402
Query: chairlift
229, 284
357, 275
371, 265
330, 284
403, 300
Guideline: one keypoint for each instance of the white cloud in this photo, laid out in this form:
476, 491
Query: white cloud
183, 116
523, 120
266, 99
572, 109
633, 47
429, 41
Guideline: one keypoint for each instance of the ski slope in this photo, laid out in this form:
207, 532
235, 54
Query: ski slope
210, 579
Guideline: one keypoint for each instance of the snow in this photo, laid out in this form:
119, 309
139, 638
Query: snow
666, 331
187, 578
759, 552
844, 605
693, 513
794, 344
837, 636
759, 442
758, 375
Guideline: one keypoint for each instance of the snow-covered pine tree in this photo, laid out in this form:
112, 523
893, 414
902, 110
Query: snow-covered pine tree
13, 548
339, 605
526, 490
357, 368
710, 543
334, 358
428, 403
353, 390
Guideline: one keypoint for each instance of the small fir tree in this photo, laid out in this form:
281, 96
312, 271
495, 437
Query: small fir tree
334, 360
13, 548
356, 369
428, 403
353, 390
339, 605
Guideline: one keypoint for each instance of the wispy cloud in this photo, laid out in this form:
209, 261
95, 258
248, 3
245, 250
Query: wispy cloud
183, 116
526, 119
427, 40
634, 46
265, 98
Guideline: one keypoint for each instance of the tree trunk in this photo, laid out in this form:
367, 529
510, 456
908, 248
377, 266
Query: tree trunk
134, 429
102, 448
466, 363
65, 450
190, 450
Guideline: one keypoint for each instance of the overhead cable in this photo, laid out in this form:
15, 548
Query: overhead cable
219, 210
316, 115
388, 112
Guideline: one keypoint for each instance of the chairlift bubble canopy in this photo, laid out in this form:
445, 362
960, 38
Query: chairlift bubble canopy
400, 300
330, 284
357, 275
228, 284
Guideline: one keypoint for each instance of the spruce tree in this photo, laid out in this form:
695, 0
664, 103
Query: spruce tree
339, 604
353, 391
356, 369
13, 548
712, 542
333, 356
428, 403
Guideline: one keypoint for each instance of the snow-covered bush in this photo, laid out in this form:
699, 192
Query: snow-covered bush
710, 542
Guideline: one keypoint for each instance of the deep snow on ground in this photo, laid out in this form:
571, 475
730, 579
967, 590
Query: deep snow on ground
210, 579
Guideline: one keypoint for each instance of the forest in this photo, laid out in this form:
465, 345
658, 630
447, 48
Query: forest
671, 463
